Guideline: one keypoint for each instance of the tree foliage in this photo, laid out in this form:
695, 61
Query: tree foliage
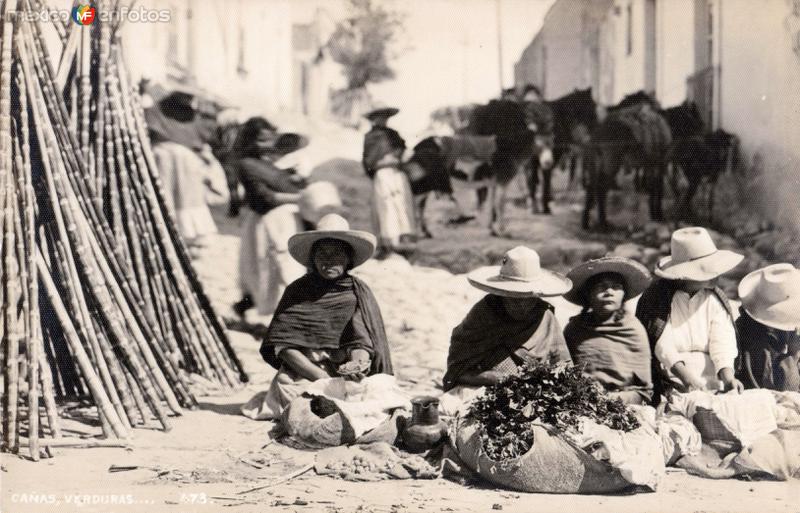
362, 42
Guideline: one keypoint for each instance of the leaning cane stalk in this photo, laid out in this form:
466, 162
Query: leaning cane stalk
104, 405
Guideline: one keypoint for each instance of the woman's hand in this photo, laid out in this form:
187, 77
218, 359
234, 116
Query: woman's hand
357, 367
730, 382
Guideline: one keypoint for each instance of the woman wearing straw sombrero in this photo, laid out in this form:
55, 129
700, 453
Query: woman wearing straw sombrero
689, 320
510, 326
328, 322
769, 328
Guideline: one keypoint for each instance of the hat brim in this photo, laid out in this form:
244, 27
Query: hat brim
362, 243
784, 315
700, 269
299, 141
637, 277
547, 284
381, 113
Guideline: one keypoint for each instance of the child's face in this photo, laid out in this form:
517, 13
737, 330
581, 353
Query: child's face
607, 294
520, 309
331, 259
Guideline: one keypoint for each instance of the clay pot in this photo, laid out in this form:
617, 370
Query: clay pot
425, 429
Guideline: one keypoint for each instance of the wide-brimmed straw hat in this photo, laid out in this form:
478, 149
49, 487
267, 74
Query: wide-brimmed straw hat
332, 226
318, 200
636, 276
383, 112
772, 296
520, 275
695, 257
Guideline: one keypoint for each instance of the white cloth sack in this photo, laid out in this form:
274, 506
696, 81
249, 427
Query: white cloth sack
366, 403
637, 454
748, 416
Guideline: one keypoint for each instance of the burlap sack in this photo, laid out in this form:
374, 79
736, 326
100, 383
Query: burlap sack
553, 465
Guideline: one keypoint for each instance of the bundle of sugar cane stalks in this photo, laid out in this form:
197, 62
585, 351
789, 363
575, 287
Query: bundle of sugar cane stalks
99, 298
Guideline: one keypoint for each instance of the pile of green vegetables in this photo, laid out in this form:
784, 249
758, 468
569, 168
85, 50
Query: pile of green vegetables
558, 395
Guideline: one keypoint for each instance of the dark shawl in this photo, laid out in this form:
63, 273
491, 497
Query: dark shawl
615, 352
315, 313
488, 336
261, 179
768, 357
653, 312
379, 142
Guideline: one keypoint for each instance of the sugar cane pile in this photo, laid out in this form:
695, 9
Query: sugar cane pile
99, 298
557, 395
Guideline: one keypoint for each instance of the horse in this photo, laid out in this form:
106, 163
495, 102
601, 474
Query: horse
573, 118
508, 121
634, 133
498, 138
434, 162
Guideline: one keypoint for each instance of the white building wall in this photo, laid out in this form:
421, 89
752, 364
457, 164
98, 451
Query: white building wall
260, 80
674, 49
628, 68
760, 94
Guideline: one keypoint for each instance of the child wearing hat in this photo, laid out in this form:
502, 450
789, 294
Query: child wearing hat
606, 340
508, 327
689, 320
769, 329
328, 322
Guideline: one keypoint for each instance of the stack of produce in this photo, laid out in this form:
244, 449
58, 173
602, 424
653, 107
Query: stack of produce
99, 296
558, 395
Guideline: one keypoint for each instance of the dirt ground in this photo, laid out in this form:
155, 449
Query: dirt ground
213, 458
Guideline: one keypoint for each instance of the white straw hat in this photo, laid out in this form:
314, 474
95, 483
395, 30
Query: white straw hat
695, 257
772, 296
520, 275
332, 226
318, 200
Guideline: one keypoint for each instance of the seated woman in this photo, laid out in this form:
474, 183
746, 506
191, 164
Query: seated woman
769, 329
327, 323
506, 328
689, 320
606, 340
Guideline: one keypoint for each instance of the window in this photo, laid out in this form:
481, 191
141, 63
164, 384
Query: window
629, 29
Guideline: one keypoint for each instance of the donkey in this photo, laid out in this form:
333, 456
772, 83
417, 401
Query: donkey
634, 133
572, 120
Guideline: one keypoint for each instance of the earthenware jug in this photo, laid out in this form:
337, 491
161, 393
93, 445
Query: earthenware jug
425, 429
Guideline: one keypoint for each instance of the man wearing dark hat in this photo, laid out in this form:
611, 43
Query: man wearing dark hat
392, 201
380, 140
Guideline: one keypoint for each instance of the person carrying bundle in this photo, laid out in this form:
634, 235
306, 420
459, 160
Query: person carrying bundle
605, 340
507, 328
689, 320
266, 188
769, 329
393, 212
328, 322
187, 168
